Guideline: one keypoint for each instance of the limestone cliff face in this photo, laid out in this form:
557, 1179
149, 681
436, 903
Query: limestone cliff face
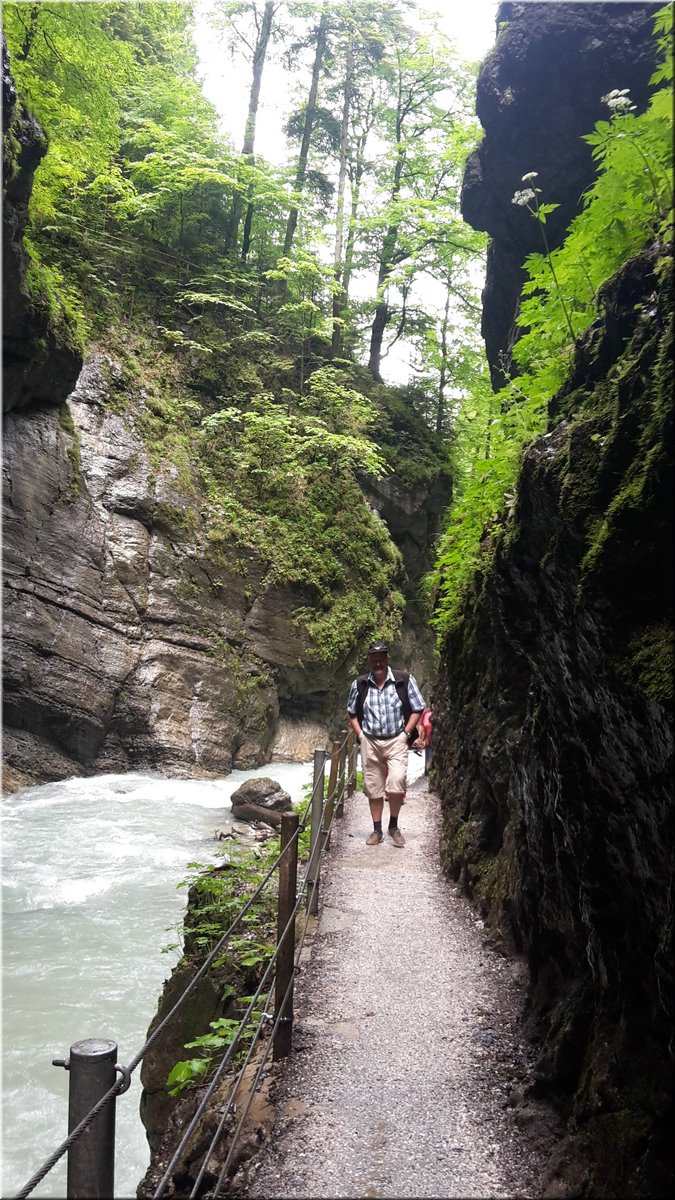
538, 92
122, 645
126, 645
555, 744
553, 714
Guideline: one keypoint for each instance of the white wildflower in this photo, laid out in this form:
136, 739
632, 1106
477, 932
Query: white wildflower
619, 100
524, 197
530, 175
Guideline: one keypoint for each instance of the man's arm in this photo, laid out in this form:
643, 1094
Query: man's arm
351, 709
412, 722
417, 704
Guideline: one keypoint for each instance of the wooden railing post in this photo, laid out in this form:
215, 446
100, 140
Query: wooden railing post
332, 788
341, 784
314, 864
352, 752
288, 885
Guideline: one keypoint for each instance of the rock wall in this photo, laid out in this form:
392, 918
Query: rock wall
123, 647
554, 740
538, 92
126, 646
38, 364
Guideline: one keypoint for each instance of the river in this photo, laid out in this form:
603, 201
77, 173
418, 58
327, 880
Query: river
91, 869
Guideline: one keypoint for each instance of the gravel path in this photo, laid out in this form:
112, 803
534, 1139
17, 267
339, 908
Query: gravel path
406, 1043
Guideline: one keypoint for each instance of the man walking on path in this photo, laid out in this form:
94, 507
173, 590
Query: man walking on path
384, 707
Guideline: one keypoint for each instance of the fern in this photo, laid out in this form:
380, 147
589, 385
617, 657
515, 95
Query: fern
630, 202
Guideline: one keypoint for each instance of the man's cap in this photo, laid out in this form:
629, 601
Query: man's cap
378, 648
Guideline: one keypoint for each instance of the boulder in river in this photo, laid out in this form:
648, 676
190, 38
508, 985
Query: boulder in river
260, 799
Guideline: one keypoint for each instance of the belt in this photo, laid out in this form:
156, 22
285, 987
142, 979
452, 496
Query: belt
383, 737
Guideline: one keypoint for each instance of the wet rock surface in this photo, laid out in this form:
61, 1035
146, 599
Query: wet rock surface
260, 799
554, 745
539, 91
110, 614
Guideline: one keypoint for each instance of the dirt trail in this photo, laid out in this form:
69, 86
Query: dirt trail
406, 1045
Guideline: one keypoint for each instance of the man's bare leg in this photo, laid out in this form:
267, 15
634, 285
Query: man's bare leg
395, 805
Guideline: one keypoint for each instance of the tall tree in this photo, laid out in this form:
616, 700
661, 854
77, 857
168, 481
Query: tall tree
258, 51
310, 112
416, 79
338, 298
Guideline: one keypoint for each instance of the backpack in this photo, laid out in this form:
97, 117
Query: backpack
401, 684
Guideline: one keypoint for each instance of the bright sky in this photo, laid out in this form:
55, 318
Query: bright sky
226, 81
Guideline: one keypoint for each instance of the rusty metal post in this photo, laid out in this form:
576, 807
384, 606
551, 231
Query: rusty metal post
314, 864
91, 1159
341, 784
288, 885
352, 752
332, 788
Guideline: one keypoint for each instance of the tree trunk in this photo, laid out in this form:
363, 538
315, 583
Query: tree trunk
382, 312
246, 238
339, 297
359, 168
249, 131
30, 33
440, 411
292, 221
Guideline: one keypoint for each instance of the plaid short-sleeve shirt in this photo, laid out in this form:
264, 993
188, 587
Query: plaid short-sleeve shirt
382, 710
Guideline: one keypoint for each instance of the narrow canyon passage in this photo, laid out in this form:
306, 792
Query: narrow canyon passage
406, 1043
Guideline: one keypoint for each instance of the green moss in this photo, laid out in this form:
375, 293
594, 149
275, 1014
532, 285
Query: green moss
648, 663
55, 302
174, 518
74, 452
491, 883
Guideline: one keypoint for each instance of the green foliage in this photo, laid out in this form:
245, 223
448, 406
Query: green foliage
236, 393
630, 202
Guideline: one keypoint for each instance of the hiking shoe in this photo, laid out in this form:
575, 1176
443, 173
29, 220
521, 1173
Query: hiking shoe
397, 838
374, 839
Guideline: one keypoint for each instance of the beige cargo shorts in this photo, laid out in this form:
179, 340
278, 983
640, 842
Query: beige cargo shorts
385, 766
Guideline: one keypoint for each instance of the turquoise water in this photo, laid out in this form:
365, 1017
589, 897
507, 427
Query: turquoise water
90, 873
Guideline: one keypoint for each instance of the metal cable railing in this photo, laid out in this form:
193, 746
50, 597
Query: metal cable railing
325, 805
224, 1063
302, 891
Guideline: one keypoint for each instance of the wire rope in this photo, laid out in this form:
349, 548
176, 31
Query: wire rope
119, 1085
232, 1047
216, 950
227, 1058
221, 1124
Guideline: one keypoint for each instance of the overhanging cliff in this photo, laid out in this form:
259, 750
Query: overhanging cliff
538, 92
